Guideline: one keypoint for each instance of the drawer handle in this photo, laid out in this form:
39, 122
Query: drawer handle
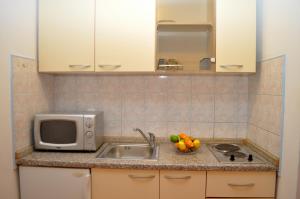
241, 185
79, 66
141, 177
232, 66
109, 66
178, 178
166, 21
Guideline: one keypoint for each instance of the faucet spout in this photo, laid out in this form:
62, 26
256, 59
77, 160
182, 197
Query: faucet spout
151, 140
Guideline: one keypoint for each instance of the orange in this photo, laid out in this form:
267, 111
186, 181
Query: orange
189, 143
182, 135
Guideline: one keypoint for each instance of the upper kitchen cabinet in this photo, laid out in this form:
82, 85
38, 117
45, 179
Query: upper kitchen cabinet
236, 35
125, 36
66, 35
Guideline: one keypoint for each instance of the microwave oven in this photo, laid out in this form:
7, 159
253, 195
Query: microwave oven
68, 131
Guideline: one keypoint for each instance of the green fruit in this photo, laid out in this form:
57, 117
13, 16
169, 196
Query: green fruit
174, 138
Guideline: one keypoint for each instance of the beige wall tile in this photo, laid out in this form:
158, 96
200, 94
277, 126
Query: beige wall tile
111, 104
226, 108
134, 106
87, 102
202, 109
178, 127
160, 101
65, 102
241, 130
179, 84
265, 115
33, 93
132, 84
179, 105
226, 84
160, 129
202, 130
87, 84
203, 84
242, 108
156, 84
21, 82
156, 107
225, 130
128, 126
113, 128
109, 84
65, 84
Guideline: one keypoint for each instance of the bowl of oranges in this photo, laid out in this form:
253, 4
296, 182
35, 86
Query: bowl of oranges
185, 144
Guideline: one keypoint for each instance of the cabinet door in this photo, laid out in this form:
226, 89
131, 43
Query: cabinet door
133, 184
66, 35
54, 183
236, 36
182, 184
125, 35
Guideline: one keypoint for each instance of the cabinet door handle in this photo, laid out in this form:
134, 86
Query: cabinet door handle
166, 21
232, 66
81, 175
178, 178
141, 177
109, 66
241, 185
78, 66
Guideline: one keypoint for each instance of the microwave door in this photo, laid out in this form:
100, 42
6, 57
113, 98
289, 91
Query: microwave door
59, 132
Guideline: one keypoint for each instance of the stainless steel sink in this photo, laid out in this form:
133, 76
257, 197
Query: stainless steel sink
128, 151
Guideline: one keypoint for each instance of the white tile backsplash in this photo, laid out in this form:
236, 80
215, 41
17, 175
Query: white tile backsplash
201, 106
32, 93
190, 104
265, 116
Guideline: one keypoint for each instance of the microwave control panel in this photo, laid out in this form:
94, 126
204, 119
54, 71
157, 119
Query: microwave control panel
89, 138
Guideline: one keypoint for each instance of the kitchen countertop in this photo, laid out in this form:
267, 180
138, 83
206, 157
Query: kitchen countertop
168, 159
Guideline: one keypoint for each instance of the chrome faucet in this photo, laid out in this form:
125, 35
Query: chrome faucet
151, 139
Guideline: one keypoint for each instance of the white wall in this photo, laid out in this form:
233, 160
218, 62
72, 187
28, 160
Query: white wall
279, 33
17, 36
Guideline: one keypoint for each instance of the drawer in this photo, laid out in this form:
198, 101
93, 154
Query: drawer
240, 198
240, 184
182, 184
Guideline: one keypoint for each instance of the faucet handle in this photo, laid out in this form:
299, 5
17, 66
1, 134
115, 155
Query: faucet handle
152, 136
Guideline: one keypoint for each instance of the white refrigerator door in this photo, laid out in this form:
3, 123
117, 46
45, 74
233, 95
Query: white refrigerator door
54, 183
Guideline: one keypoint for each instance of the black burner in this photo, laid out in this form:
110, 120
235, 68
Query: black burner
236, 154
224, 148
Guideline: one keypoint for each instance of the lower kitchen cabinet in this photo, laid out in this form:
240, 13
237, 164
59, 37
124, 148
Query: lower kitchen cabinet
182, 184
54, 183
232, 184
127, 184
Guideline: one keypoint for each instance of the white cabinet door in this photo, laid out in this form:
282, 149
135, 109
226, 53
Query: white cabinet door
55, 183
236, 35
66, 35
125, 35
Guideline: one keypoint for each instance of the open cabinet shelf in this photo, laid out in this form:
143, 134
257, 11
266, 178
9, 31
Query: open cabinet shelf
178, 27
186, 34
